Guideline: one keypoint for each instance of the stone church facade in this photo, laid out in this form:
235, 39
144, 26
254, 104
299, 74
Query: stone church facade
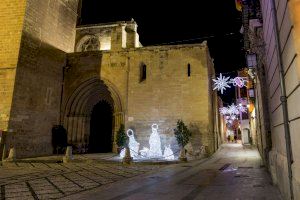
54, 72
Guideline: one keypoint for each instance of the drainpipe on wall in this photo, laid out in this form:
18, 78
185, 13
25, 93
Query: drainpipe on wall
283, 99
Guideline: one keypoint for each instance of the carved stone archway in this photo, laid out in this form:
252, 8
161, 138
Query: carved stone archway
78, 109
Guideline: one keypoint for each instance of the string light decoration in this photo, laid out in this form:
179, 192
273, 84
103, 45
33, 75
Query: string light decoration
222, 82
223, 110
231, 112
155, 144
133, 145
155, 150
239, 81
242, 108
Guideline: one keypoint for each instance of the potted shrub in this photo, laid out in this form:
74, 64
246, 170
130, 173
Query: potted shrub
182, 134
121, 138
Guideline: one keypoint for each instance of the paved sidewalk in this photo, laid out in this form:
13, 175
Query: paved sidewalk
43, 178
233, 173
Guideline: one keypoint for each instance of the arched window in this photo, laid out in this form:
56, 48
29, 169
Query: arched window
143, 72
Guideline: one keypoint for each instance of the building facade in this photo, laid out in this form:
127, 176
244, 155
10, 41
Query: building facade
91, 79
273, 36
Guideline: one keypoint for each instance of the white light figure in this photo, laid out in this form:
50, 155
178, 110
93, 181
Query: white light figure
155, 144
144, 152
168, 153
239, 81
221, 83
133, 145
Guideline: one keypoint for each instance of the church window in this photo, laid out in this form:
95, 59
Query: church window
189, 69
143, 72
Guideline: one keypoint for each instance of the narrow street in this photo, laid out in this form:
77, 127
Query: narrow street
234, 172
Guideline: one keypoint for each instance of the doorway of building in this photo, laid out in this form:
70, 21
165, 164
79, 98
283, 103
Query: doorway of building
100, 140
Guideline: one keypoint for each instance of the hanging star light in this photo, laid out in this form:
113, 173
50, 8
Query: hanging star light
233, 110
228, 121
242, 108
224, 111
221, 83
232, 117
239, 81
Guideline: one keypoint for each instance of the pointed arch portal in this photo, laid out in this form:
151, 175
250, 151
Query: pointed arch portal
92, 115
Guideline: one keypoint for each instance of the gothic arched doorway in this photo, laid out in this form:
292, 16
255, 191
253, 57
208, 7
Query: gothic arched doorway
93, 114
101, 123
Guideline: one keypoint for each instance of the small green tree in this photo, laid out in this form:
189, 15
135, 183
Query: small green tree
182, 133
121, 136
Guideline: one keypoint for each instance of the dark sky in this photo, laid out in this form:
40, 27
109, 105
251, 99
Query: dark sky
165, 21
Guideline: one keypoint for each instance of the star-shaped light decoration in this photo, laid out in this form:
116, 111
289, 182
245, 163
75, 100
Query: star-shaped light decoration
228, 121
233, 110
224, 111
242, 108
221, 83
232, 117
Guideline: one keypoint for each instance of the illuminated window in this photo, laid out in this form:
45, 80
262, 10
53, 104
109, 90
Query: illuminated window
143, 72
251, 60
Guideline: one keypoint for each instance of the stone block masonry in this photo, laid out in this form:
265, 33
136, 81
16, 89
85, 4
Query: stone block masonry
47, 32
11, 18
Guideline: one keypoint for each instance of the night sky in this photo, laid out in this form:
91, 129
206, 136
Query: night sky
169, 22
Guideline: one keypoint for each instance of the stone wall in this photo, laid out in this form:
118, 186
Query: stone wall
11, 17
48, 32
166, 95
47, 86
288, 24
107, 36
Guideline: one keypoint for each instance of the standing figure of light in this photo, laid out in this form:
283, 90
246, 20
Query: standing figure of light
155, 144
133, 145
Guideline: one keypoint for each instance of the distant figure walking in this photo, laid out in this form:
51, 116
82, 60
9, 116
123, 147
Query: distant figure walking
231, 138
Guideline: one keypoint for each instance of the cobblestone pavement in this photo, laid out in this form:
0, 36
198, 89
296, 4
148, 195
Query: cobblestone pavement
50, 180
235, 172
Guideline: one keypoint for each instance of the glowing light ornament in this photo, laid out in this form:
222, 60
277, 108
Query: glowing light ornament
133, 145
155, 144
168, 153
221, 83
242, 108
228, 121
239, 81
229, 132
147, 153
232, 117
144, 152
224, 111
233, 110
